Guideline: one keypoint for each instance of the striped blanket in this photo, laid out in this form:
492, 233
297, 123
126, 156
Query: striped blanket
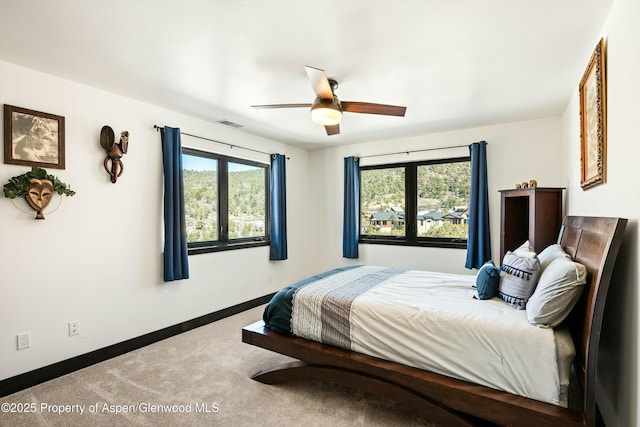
319, 307
321, 310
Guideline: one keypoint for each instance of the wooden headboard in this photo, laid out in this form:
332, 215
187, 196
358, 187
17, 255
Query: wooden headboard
593, 242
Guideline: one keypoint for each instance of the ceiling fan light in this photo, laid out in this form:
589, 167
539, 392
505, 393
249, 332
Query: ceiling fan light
326, 113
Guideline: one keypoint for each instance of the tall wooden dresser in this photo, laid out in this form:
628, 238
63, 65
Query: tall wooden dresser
533, 214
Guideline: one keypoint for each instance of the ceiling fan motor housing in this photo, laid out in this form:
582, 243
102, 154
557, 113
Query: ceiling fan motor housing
326, 112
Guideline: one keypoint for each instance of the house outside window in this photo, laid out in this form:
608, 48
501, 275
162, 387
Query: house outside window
419, 203
226, 202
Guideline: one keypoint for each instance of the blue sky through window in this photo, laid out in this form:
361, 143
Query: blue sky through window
197, 163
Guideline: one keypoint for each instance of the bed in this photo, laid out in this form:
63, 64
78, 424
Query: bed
459, 400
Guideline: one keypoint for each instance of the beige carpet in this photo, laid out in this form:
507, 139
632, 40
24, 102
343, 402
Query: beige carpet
198, 378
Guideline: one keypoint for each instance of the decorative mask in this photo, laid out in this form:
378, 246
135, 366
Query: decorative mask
115, 151
39, 194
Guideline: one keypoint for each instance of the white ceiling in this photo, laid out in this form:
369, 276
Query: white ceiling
452, 63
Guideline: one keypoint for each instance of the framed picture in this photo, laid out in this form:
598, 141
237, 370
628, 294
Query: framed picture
593, 121
33, 138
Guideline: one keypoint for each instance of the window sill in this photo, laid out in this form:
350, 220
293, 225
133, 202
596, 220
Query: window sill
399, 241
219, 247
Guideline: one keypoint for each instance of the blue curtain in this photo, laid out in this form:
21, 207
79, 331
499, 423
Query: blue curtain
176, 262
351, 224
479, 242
278, 200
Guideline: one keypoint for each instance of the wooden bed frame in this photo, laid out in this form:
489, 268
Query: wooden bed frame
592, 241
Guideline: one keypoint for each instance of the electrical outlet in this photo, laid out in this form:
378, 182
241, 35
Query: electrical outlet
269, 279
74, 328
24, 340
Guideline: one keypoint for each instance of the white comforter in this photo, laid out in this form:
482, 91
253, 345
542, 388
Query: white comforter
431, 321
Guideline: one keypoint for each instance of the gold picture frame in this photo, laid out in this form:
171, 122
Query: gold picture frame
593, 121
33, 138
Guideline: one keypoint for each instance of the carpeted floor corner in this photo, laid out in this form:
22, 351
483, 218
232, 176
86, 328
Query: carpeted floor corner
198, 378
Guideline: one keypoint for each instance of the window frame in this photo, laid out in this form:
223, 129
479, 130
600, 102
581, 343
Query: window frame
223, 243
411, 208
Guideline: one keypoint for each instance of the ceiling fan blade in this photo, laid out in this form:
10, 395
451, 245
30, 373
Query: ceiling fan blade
370, 108
281, 106
319, 83
332, 130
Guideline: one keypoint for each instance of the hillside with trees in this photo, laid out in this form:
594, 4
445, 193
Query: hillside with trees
246, 204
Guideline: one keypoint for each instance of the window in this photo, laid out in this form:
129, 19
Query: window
225, 202
421, 203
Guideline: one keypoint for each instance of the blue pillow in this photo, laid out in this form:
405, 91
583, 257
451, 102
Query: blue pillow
487, 281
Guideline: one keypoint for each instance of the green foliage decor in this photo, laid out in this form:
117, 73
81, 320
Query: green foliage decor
17, 186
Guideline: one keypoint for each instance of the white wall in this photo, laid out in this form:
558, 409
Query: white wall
618, 388
98, 258
516, 152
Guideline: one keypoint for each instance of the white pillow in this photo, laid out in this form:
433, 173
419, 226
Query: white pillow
525, 250
551, 253
558, 290
518, 279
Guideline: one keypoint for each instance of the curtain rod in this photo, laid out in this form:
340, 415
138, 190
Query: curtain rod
157, 128
415, 151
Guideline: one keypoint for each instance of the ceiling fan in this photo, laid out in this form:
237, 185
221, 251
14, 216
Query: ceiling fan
327, 109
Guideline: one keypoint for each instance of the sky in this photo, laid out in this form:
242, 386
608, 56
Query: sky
197, 163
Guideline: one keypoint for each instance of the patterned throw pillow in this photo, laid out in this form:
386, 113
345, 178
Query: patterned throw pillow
518, 279
525, 250
487, 281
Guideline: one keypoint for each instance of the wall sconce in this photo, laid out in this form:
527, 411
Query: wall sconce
114, 150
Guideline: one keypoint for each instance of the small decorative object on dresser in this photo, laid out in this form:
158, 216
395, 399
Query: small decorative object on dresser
114, 150
533, 183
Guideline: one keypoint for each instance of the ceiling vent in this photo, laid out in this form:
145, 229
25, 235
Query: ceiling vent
228, 123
